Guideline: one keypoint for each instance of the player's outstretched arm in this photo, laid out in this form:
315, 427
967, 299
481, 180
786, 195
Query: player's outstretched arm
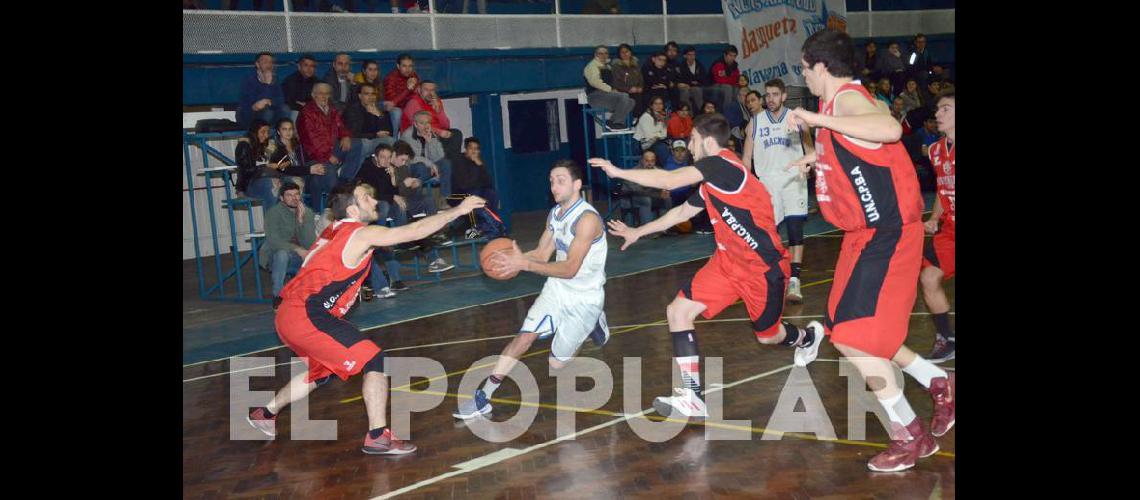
651, 177
674, 216
586, 230
380, 236
854, 117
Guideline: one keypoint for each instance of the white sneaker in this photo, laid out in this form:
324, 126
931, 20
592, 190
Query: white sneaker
439, 266
472, 234
683, 403
794, 294
386, 293
807, 354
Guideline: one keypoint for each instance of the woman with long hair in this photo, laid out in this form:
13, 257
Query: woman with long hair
651, 129
627, 77
284, 161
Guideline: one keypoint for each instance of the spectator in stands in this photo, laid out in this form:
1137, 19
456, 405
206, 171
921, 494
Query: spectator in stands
428, 151
883, 91
733, 144
289, 233
627, 77
340, 78
651, 130
261, 94
725, 78
600, 93
676, 157
910, 95
673, 64
298, 87
251, 153
870, 60
325, 139
285, 163
367, 122
709, 107
378, 173
427, 99
933, 87
691, 79
634, 196
929, 133
471, 177
399, 86
898, 109
738, 113
658, 78
918, 62
681, 122
370, 73
938, 72
409, 184
891, 65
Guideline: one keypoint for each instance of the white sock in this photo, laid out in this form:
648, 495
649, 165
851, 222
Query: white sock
898, 409
923, 370
489, 387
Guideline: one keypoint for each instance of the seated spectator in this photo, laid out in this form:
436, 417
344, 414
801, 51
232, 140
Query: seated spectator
929, 133
298, 87
692, 79
898, 110
600, 93
250, 153
681, 157
918, 62
471, 177
261, 94
933, 87
409, 184
891, 65
882, 91
658, 78
289, 233
326, 140
870, 59
368, 123
400, 85
733, 145
681, 122
938, 72
340, 77
644, 200
382, 281
428, 150
426, 99
286, 163
651, 129
627, 77
673, 64
738, 113
910, 95
709, 107
725, 79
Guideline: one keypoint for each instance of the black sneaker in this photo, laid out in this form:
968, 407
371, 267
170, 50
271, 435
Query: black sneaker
440, 239
615, 126
943, 350
277, 302
398, 286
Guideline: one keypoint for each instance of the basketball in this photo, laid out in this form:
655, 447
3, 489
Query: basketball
684, 227
485, 257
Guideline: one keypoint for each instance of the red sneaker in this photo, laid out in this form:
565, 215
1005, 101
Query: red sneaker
942, 389
386, 445
266, 424
908, 444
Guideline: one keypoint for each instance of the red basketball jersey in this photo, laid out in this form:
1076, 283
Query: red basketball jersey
324, 278
859, 187
743, 224
942, 159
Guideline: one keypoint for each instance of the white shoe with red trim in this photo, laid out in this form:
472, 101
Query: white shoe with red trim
683, 403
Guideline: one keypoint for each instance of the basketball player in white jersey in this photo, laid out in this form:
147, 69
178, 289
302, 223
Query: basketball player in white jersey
769, 146
570, 305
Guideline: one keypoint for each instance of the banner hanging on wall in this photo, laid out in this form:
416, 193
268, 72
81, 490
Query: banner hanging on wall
769, 34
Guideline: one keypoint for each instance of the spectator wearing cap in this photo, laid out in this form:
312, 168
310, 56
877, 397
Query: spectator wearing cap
676, 157
290, 230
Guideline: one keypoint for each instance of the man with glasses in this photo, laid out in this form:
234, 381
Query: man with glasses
600, 92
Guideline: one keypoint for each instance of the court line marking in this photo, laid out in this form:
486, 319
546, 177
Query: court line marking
500, 337
500, 456
382, 325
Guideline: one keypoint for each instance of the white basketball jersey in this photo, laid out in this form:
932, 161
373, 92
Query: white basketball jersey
774, 146
592, 274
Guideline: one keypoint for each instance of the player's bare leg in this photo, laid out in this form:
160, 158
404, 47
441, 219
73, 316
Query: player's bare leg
379, 439
264, 418
375, 391
480, 402
938, 305
910, 439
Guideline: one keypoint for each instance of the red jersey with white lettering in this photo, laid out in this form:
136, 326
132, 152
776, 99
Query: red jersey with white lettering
325, 278
859, 187
743, 222
942, 159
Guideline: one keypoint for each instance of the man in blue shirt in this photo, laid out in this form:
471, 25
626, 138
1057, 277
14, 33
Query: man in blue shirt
261, 94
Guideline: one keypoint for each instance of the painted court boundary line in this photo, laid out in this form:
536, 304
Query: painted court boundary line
382, 325
508, 453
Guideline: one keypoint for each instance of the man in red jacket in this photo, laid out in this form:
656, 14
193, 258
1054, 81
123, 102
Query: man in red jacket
426, 99
399, 86
725, 78
326, 140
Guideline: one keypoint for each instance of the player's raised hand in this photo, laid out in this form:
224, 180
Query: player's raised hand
804, 164
471, 203
618, 228
609, 168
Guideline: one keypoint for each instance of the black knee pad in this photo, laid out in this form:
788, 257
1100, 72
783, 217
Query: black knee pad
795, 227
376, 364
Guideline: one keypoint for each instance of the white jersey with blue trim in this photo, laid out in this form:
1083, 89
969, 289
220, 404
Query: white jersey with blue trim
774, 146
592, 274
